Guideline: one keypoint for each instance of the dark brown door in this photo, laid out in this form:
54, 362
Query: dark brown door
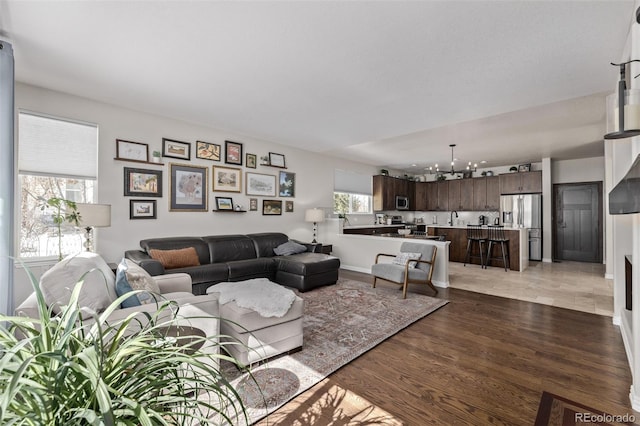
578, 221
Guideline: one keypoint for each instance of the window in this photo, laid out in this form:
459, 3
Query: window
352, 193
56, 158
348, 203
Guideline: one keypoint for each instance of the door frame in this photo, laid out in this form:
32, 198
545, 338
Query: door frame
554, 217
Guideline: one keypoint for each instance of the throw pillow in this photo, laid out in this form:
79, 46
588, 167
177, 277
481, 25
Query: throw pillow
402, 258
130, 277
288, 248
179, 258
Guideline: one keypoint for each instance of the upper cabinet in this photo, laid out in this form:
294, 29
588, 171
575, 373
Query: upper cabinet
420, 197
486, 193
460, 195
521, 183
431, 196
385, 190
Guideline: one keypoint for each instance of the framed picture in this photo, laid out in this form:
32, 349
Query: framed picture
136, 151
259, 184
142, 209
276, 160
524, 167
233, 153
253, 204
176, 149
142, 182
227, 179
271, 207
287, 184
251, 161
188, 188
224, 203
288, 206
207, 151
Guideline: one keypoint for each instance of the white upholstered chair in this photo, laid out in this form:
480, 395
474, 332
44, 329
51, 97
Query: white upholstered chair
98, 292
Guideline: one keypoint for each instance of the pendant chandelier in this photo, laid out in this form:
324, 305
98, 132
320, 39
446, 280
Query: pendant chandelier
453, 170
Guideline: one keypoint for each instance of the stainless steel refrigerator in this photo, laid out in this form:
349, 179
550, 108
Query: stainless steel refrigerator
524, 211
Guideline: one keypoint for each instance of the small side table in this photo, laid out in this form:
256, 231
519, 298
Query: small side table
326, 248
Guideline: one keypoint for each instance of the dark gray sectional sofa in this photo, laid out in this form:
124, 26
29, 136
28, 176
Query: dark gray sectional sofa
242, 257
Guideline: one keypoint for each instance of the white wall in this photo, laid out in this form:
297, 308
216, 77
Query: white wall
314, 176
580, 170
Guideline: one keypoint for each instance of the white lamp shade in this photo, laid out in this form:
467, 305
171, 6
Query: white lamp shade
96, 215
314, 215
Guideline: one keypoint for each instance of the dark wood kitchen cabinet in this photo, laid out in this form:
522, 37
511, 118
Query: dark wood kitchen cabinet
460, 194
437, 195
420, 197
521, 183
385, 190
486, 193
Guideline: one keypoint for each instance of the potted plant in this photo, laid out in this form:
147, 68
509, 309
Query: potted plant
64, 211
156, 156
69, 370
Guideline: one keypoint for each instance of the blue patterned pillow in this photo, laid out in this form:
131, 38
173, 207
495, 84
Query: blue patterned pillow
130, 277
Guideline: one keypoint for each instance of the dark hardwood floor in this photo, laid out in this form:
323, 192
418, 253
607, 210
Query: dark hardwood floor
478, 360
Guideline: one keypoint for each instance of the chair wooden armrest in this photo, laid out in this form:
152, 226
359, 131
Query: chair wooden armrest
384, 254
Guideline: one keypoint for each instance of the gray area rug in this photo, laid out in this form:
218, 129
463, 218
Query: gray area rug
341, 322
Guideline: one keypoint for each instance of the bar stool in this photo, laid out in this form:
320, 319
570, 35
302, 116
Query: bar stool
475, 234
496, 235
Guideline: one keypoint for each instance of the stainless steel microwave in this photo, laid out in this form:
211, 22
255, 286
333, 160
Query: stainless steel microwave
402, 203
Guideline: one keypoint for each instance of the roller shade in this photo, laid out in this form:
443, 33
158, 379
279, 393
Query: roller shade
352, 182
55, 147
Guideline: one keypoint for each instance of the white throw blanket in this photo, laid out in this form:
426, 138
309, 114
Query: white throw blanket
261, 295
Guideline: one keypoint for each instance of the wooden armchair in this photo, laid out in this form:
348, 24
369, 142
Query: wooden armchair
407, 268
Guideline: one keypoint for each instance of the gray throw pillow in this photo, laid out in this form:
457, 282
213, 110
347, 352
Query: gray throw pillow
402, 258
289, 248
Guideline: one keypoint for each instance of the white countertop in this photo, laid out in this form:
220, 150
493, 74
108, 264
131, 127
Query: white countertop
506, 228
373, 226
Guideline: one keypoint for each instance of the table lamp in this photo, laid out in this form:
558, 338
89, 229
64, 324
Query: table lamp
93, 216
314, 215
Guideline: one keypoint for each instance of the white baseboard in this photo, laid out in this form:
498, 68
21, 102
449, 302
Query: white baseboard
437, 283
616, 320
608, 276
546, 260
356, 269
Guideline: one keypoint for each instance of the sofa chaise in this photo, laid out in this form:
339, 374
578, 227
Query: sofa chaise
219, 258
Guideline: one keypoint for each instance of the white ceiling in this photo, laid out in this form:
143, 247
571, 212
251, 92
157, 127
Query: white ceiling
390, 83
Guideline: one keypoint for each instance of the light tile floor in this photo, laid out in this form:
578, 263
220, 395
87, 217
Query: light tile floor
571, 285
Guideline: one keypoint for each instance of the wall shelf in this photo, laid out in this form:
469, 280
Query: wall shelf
138, 161
275, 167
229, 211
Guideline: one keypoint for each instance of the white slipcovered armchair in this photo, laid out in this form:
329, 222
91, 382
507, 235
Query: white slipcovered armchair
99, 291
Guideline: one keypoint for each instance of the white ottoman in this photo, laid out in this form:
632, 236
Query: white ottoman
252, 336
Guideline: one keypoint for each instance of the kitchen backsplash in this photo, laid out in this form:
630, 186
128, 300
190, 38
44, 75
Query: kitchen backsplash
442, 218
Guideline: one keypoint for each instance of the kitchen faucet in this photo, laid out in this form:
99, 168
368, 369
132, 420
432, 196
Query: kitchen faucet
451, 218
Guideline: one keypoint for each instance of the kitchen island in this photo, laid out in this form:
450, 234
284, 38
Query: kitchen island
518, 245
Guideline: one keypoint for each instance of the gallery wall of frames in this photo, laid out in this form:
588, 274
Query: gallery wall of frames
193, 184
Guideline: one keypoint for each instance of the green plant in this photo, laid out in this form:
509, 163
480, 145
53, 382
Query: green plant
157, 154
66, 370
64, 211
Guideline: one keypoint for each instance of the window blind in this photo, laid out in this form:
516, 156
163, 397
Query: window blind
352, 182
56, 147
